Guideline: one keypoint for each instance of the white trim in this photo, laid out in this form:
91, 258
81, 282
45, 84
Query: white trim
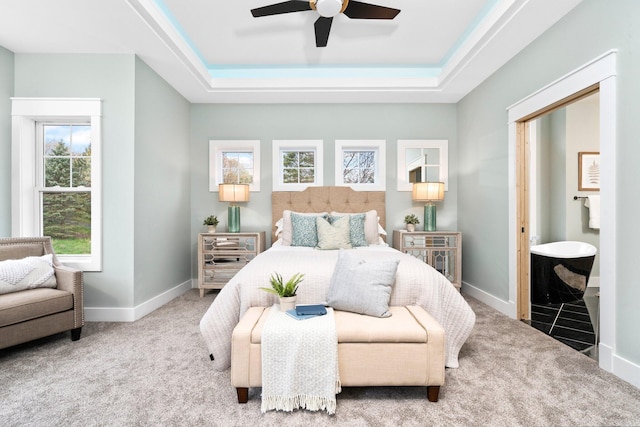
297, 145
506, 307
216, 147
377, 145
25, 220
131, 314
602, 71
403, 144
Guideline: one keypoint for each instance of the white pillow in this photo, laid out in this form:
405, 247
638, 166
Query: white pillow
334, 236
27, 273
371, 230
360, 286
287, 229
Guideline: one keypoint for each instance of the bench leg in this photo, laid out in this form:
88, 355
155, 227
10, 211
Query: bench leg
432, 392
243, 394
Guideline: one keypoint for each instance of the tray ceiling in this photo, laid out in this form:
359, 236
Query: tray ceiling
214, 51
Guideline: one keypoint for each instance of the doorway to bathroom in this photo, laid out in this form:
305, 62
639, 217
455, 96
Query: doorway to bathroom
564, 207
597, 75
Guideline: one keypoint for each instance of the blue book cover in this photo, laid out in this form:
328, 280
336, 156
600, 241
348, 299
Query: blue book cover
314, 309
297, 316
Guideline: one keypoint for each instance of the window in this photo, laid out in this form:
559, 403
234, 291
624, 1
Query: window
421, 161
57, 159
361, 164
234, 162
297, 165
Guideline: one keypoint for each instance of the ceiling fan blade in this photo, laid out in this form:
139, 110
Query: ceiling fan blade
359, 10
279, 8
322, 26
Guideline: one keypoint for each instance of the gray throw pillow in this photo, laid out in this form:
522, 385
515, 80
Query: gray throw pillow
362, 287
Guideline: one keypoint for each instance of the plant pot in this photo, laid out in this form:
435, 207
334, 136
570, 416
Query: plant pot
211, 228
411, 227
287, 303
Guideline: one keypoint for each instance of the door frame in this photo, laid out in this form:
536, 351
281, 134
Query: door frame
599, 73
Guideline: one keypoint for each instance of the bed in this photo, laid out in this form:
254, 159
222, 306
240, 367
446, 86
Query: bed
416, 282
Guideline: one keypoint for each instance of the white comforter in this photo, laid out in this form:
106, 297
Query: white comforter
416, 283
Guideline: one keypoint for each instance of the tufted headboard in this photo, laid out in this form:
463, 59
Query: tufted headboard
321, 199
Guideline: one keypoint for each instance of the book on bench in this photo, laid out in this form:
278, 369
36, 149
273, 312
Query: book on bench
302, 312
315, 309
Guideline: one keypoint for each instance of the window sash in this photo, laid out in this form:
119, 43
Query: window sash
315, 170
375, 179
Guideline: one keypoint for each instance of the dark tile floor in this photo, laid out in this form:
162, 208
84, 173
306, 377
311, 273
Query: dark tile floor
568, 323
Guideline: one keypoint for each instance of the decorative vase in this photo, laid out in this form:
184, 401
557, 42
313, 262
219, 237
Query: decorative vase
211, 228
411, 227
287, 303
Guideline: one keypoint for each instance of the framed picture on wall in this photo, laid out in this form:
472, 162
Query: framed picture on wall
588, 171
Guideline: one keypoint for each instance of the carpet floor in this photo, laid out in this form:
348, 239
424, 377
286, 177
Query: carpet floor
156, 372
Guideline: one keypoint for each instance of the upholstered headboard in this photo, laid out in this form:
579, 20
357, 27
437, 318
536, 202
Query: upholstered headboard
321, 199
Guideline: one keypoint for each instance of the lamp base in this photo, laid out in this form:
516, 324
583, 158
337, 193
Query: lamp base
430, 217
233, 214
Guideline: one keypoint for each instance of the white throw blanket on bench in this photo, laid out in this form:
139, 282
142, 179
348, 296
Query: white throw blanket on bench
299, 363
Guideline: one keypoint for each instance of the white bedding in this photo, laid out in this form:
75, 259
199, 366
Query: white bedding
416, 283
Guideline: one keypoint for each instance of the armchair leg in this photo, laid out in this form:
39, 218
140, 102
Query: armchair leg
75, 333
243, 394
432, 393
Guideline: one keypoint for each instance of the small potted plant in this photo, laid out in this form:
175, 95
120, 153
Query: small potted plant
286, 291
411, 220
211, 221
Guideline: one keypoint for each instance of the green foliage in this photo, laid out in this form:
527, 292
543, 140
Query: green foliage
411, 219
210, 220
71, 246
287, 289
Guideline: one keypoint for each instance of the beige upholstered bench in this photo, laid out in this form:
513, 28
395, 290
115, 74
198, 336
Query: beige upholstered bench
406, 349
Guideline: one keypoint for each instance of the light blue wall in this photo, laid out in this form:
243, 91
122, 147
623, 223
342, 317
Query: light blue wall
328, 123
6, 92
591, 29
162, 186
110, 78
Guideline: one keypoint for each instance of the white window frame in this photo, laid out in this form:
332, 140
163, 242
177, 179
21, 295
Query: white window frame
26, 216
296, 145
379, 147
217, 147
403, 174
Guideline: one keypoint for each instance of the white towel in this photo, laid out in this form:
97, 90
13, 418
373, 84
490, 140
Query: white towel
593, 203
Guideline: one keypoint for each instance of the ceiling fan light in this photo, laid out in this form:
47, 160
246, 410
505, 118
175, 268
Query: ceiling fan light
328, 8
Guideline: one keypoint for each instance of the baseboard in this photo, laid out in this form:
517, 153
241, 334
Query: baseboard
131, 314
507, 308
628, 371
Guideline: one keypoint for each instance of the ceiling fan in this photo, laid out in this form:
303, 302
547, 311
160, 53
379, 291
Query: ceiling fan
327, 10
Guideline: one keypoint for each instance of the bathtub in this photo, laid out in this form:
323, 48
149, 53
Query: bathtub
560, 271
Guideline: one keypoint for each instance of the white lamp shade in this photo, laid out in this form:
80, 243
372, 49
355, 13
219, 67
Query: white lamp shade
233, 192
428, 191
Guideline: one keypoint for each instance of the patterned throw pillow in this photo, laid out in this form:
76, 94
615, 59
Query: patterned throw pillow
334, 235
362, 287
304, 231
356, 228
27, 273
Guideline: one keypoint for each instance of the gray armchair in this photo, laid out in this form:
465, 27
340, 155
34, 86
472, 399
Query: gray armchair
35, 313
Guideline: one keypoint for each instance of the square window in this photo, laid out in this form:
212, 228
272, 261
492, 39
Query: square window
234, 162
360, 164
297, 165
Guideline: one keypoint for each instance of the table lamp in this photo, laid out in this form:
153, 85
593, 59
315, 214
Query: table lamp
233, 193
429, 192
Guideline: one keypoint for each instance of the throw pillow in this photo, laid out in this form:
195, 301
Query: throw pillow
356, 228
371, 231
27, 273
334, 235
362, 287
287, 232
303, 230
